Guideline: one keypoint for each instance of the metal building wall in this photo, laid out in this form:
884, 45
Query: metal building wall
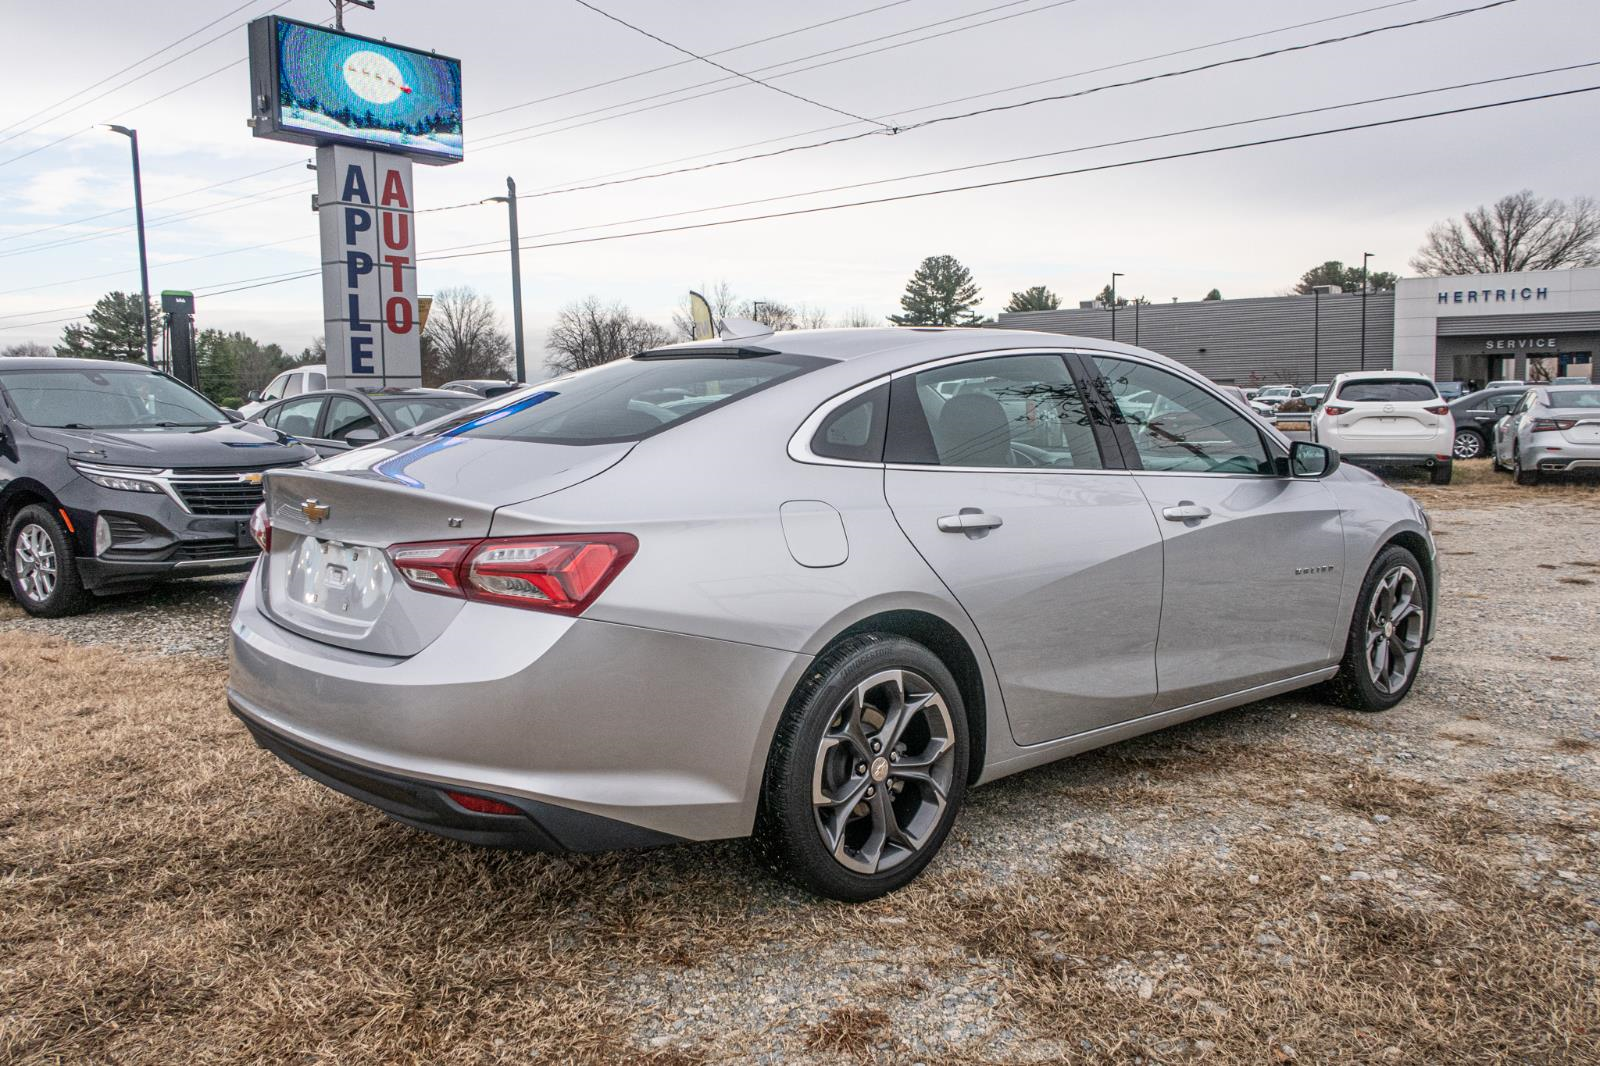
1231, 340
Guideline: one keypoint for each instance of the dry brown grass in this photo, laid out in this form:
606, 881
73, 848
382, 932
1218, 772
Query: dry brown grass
1475, 483
172, 894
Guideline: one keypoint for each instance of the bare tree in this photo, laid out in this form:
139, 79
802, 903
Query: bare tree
588, 333
463, 338
780, 316
723, 303
810, 317
1516, 232
859, 318
27, 349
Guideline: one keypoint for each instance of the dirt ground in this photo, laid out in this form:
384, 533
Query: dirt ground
1285, 882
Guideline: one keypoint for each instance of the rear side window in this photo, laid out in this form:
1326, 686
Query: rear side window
855, 430
1387, 390
631, 399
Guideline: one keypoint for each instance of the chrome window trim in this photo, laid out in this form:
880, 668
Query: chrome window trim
800, 442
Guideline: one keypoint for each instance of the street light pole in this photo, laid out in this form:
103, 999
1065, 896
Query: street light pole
1114, 277
1316, 332
144, 262
510, 200
1364, 257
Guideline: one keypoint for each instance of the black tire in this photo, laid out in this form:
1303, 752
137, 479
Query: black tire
65, 594
1469, 444
1441, 473
1522, 475
789, 831
1354, 686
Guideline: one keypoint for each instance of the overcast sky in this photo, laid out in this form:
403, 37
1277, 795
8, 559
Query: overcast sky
1247, 222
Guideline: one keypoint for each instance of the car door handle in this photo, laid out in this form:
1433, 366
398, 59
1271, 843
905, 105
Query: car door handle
1186, 512
969, 521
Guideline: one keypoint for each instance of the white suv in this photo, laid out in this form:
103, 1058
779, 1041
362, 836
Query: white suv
312, 377
1387, 418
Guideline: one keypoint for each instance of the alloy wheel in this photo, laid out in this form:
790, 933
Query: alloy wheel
35, 562
883, 771
1394, 629
1468, 445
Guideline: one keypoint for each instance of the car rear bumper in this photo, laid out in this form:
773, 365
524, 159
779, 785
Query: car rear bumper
425, 805
1562, 458
660, 732
1393, 459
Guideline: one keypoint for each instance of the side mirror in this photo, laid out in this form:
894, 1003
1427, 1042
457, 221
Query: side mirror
366, 435
1307, 460
253, 396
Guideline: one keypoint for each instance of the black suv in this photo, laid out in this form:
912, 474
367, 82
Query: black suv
113, 476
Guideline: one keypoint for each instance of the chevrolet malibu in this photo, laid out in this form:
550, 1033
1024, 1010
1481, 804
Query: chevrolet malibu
807, 588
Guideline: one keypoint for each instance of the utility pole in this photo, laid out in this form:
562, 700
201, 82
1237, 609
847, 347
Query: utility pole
1138, 301
338, 10
1316, 331
1364, 257
144, 261
1114, 277
510, 200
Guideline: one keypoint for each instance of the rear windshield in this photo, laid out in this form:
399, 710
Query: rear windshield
406, 412
1575, 398
1387, 390
631, 399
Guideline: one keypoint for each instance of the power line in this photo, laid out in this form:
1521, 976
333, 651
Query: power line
1071, 151
147, 203
726, 69
776, 66
598, 181
117, 74
235, 204
685, 62
137, 77
161, 266
1182, 72
1192, 153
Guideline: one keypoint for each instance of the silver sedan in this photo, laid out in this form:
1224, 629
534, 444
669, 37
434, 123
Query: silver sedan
808, 588
1553, 429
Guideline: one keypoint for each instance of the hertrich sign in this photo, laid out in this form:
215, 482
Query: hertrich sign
1525, 294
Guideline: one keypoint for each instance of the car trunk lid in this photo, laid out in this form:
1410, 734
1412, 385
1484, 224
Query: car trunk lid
327, 576
1389, 420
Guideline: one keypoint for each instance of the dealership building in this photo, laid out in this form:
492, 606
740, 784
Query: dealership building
1534, 325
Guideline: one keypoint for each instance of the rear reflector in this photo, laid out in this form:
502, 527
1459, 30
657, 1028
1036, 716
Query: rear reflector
562, 573
481, 804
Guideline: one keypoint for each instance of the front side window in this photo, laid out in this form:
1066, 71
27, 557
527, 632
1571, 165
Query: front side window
1010, 411
630, 399
294, 385
1177, 425
274, 389
1387, 390
108, 399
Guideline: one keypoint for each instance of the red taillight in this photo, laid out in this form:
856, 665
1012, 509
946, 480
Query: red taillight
1551, 425
563, 574
481, 804
1335, 409
1439, 410
261, 527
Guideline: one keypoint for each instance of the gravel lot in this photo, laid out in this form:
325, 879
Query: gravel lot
1283, 882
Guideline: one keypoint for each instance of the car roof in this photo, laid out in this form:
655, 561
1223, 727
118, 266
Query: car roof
36, 362
452, 393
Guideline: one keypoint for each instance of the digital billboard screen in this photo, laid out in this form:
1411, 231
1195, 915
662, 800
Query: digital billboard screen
317, 86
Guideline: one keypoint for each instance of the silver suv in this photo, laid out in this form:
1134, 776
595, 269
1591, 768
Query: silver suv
808, 588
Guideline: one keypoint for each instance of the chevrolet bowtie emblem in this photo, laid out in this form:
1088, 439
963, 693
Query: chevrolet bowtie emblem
250, 479
315, 511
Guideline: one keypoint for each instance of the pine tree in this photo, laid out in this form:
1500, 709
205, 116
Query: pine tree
115, 330
1036, 298
940, 293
